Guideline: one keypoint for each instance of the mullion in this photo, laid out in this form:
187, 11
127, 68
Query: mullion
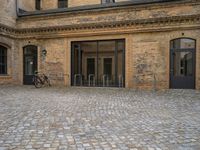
116, 63
97, 50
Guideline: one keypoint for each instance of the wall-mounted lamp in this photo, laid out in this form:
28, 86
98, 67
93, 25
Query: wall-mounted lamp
44, 52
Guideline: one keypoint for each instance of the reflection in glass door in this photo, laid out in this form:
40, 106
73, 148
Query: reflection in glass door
183, 65
106, 67
90, 67
29, 65
98, 63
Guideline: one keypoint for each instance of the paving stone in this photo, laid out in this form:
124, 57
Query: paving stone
98, 118
47, 145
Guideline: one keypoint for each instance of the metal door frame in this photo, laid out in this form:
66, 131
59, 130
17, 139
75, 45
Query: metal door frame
35, 59
192, 50
73, 43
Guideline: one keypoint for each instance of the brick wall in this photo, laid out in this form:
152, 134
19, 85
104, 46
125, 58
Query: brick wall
49, 4
8, 12
75, 3
109, 16
146, 54
53, 4
26, 5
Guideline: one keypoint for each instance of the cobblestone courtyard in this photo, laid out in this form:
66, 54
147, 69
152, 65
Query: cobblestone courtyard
86, 118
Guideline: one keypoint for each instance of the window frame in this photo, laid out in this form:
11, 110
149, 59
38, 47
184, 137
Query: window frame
107, 1
62, 3
37, 4
173, 43
3, 57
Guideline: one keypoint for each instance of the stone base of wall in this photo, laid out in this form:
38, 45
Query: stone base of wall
5, 80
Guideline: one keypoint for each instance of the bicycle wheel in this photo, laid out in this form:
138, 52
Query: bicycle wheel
48, 82
37, 82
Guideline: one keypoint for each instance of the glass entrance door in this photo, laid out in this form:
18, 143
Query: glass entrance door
30, 63
90, 67
106, 64
98, 63
182, 69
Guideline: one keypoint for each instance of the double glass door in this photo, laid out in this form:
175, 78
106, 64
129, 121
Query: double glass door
98, 63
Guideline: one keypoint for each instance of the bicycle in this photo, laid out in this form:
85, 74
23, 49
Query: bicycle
40, 80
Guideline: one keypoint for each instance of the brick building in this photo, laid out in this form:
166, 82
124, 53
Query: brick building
121, 43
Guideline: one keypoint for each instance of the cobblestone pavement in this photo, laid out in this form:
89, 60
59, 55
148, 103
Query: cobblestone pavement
98, 118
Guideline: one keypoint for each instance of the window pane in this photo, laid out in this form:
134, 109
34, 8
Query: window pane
3, 60
187, 43
29, 51
183, 64
37, 5
108, 1
62, 3
106, 59
29, 63
90, 67
182, 44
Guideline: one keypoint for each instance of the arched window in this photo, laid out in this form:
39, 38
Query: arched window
3, 60
182, 43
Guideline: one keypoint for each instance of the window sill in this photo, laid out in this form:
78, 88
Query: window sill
6, 76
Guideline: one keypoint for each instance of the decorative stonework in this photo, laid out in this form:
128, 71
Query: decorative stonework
159, 23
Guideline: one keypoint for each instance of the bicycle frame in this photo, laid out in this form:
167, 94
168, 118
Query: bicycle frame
40, 80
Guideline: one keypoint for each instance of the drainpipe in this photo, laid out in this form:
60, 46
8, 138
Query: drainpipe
17, 10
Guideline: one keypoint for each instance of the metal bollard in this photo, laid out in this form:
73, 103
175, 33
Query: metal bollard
90, 76
75, 77
121, 81
105, 80
154, 82
136, 81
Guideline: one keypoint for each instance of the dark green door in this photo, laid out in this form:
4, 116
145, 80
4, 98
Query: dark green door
182, 68
30, 63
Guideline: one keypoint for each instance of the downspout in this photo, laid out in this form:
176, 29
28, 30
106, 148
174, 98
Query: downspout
17, 9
